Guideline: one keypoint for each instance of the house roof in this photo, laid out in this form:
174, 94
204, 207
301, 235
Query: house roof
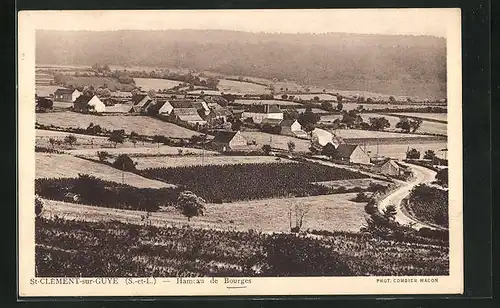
64, 91
201, 105
345, 150
220, 112
265, 108
287, 123
182, 104
186, 111
274, 122
224, 136
83, 99
391, 162
138, 98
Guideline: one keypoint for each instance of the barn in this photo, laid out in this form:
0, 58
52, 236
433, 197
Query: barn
228, 140
88, 104
66, 95
352, 153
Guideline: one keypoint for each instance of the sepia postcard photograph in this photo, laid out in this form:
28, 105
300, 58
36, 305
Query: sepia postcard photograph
240, 152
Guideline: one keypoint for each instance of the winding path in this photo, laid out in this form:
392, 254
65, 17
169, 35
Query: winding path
422, 175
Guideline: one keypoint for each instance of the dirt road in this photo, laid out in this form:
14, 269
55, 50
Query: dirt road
422, 175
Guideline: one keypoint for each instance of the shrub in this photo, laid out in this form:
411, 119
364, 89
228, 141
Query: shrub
125, 163
103, 155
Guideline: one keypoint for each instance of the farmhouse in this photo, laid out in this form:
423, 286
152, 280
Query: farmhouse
292, 128
66, 95
260, 112
140, 102
352, 153
228, 140
88, 104
169, 106
187, 116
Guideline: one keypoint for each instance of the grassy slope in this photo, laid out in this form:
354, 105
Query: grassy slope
142, 125
67, 166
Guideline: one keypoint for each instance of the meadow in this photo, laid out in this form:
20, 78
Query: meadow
241, 87
310, 97
110, 83
155, 83
46, 91
426, 127
359, 134
68, 166
115, 249
150, 150
227, 183
142, 125
426, 116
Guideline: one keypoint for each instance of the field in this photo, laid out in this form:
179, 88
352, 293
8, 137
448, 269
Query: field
398, 151
142, 125
276, 141
155, 83
350, 106
227, 183
110, 83
358, 134
67, 166
180, 161
314, 110
141, 151
426, 127
310, 97
240, 87
114, 249
85, 143
350, 184
46, 90
430, 116
264, 101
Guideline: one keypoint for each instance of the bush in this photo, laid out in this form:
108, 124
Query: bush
103, 155
125, 163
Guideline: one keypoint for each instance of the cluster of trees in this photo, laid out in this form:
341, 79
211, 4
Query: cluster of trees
43, 104
408, 125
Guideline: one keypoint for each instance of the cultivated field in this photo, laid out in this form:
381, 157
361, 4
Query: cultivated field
350, 106
142, 125
240, 87
431, 116
276, 141
427, 127
67, 166
155, 83
158, 162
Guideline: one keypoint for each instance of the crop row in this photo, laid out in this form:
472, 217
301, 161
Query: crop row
226, 183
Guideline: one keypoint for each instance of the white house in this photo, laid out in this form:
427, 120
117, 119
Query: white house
89, 104
292, 128
352, 153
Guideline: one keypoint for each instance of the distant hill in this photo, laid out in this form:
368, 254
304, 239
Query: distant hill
390, 64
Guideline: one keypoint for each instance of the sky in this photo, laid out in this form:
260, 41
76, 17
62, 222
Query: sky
368, 21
